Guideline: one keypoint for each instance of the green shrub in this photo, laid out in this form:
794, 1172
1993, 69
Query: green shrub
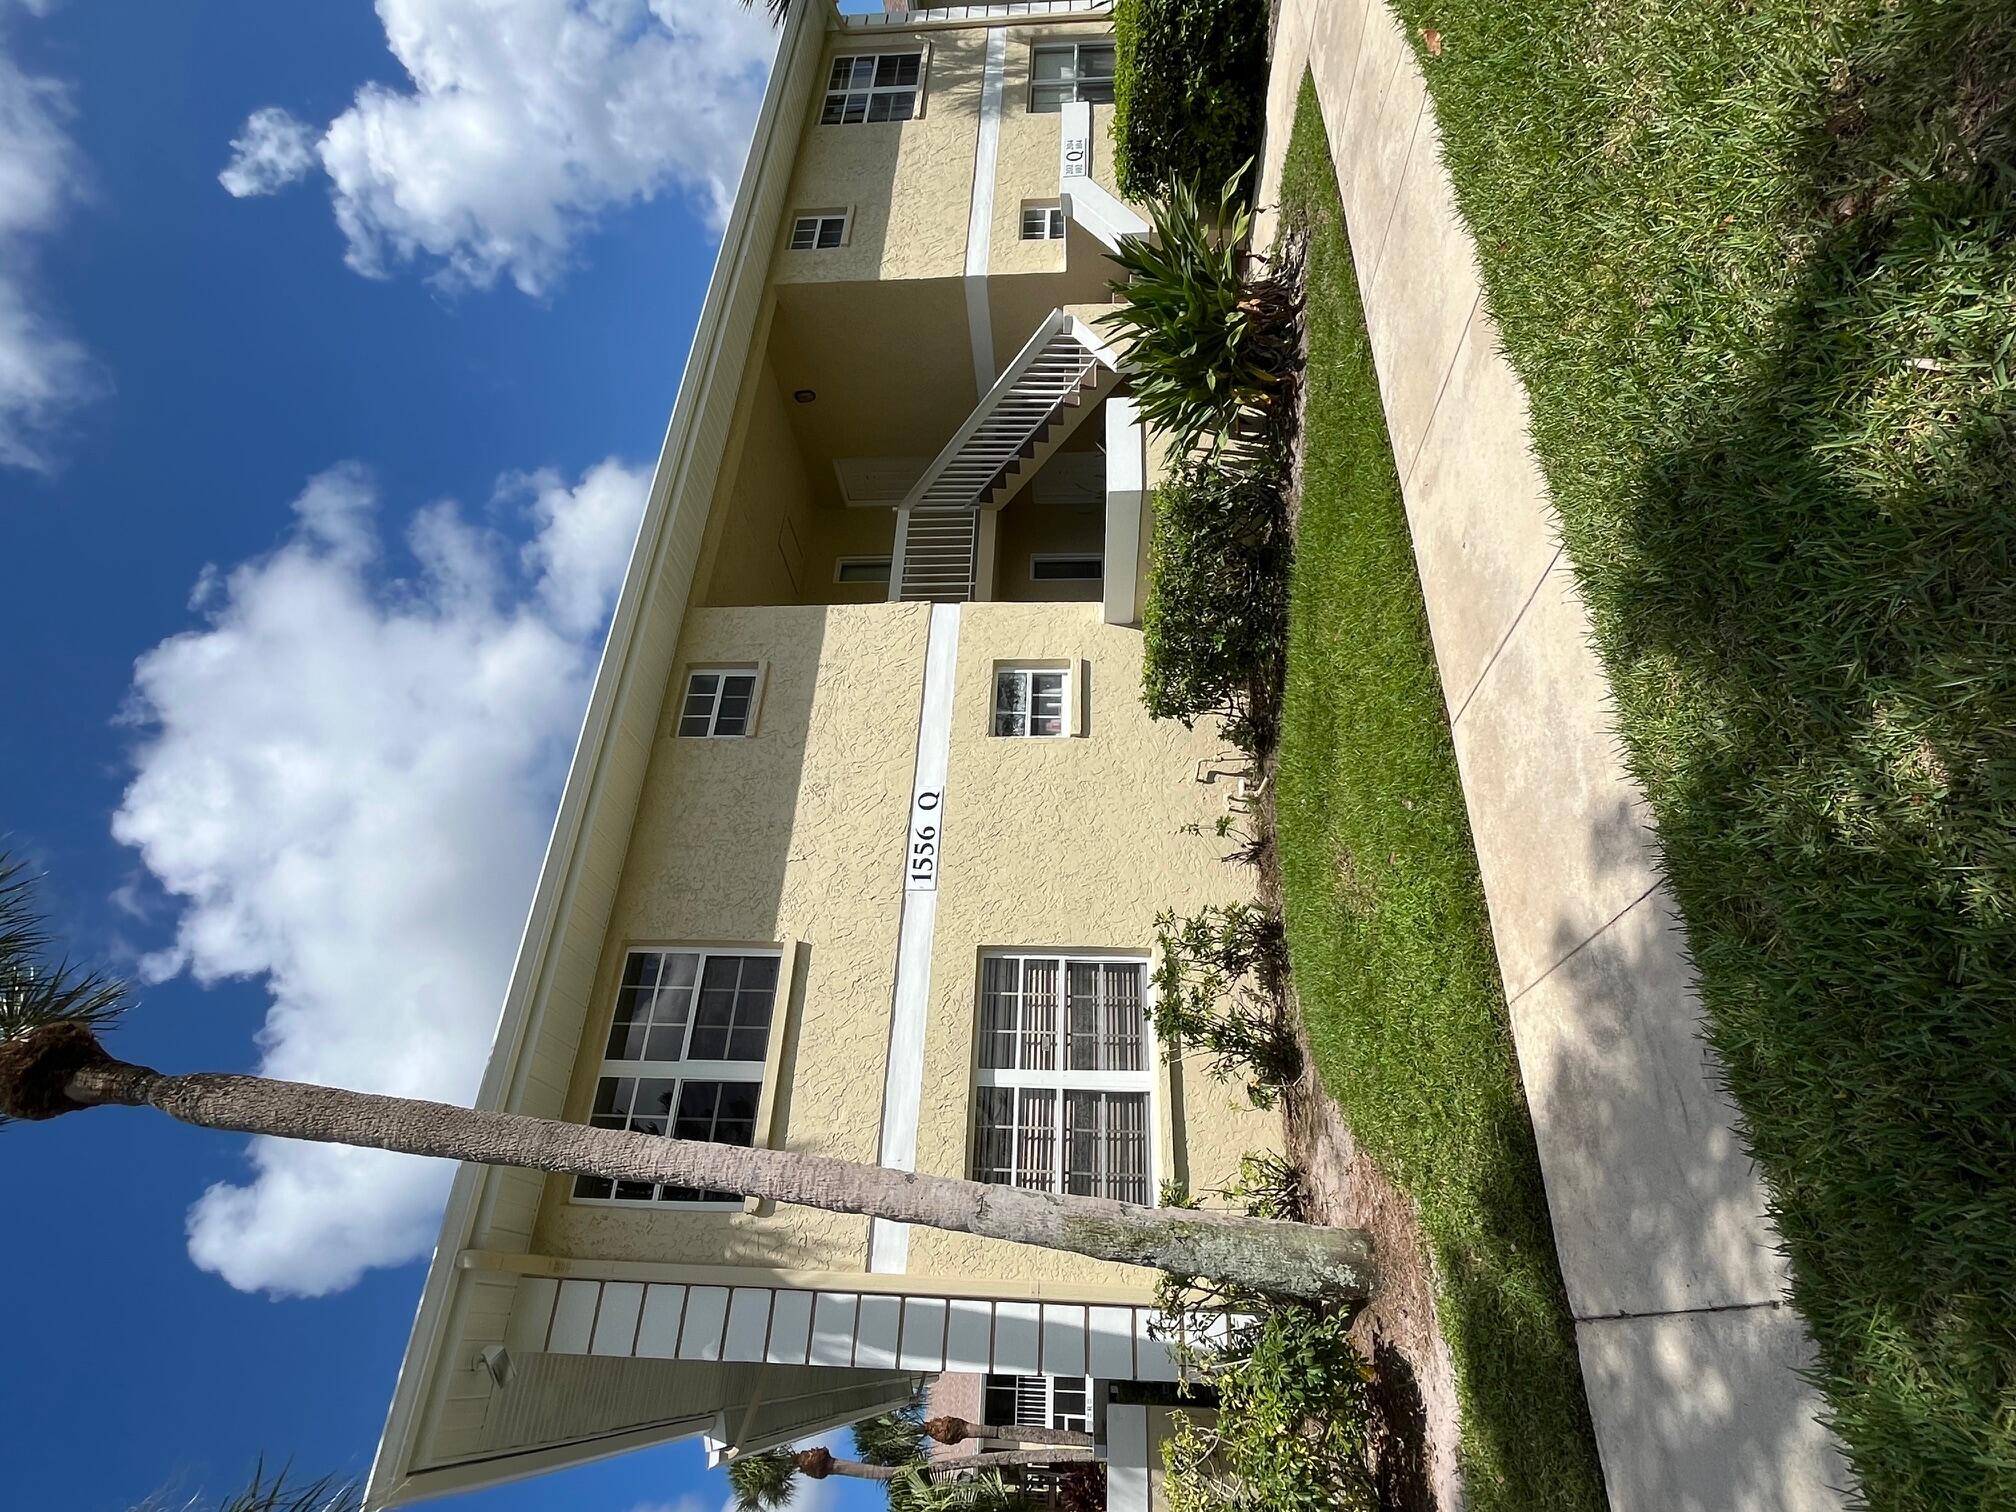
1295, 1426
1269, 1186
1208, 350
1215, 622
1190, 96
1219, 988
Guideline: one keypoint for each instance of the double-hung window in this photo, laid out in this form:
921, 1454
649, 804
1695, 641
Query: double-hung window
1061, 1101
719, 701
875, 87
1070, 71
1032, 701
1039, 1402
685, 1057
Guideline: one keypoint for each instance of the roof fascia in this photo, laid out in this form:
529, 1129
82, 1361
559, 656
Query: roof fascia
742, 256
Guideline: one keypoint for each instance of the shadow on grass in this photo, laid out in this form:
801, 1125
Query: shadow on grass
1813, 608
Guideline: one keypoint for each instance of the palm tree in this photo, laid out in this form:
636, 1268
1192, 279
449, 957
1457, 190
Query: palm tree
766, 1480
777, 9
52, 1063
946, 1429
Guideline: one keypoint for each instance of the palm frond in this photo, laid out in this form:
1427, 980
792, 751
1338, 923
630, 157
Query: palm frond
983, 1491
276, 1495
763, 1482
891, 1438
777, 9
33, 991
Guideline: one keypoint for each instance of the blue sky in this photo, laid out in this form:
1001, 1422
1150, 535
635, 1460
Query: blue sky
313, 496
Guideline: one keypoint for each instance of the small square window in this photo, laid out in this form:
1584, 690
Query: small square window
1070, 71
1032, 702
720, 701
819, 232
1042, 222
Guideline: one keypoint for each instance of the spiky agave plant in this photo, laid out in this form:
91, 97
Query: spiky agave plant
1206, 346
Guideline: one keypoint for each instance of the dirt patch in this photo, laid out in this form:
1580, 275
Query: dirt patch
1398, 1330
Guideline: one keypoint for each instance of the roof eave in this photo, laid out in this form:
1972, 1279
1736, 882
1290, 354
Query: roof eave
742, 255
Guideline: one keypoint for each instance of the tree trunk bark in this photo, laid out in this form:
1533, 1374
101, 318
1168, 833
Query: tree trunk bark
942, 1469
817, 1464
52, 1070
957, 1430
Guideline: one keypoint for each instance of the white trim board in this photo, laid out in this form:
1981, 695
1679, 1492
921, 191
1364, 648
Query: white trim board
653, 596
903, 1076
980, 212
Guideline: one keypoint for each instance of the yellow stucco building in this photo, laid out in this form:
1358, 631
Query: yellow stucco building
863, 842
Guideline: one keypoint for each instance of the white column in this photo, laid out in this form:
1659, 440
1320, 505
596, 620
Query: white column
1126, 506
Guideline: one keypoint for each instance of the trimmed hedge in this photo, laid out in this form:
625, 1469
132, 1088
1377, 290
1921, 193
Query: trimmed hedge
1215, 625
1190, 95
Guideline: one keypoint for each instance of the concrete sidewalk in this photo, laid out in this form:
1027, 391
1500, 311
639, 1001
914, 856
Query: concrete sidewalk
1688, 1351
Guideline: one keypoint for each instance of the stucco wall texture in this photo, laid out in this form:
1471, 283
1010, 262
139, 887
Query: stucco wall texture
795, 835
1071, 843
908, 185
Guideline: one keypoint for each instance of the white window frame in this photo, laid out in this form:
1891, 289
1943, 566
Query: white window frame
827, 92
1027, 670
1068, 556
1052, 223
720, 670
1064, 1081
745, 1072
886, 563
818, 220
1075, 45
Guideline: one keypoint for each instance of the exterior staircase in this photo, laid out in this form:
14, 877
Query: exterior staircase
1045, 393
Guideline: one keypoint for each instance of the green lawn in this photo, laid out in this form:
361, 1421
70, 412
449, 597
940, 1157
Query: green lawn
1386, 923
1756, 262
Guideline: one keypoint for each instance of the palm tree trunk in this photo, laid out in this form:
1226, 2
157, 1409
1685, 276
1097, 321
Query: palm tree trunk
982, 1463
817, 1464
60, 1068
957, 1430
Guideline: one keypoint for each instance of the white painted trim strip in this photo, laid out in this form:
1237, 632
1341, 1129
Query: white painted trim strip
903, 1078
980, 212
1084, 198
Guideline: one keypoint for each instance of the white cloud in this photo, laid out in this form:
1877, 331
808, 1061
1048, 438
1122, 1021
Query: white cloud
523, 122
345, 784
45, 373
272, 151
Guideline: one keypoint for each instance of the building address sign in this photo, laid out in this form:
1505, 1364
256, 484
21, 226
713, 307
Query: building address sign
927, 827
